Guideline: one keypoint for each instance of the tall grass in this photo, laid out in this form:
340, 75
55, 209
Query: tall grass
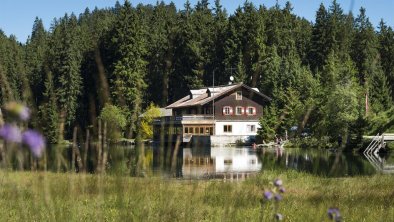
43, 196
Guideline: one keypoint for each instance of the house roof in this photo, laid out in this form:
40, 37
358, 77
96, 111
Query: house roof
163, 112
206, 95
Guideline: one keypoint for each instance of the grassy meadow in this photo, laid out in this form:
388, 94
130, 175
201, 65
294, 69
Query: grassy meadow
44, 196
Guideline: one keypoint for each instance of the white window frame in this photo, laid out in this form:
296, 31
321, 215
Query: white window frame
242, 110
227, 110
238, 97
253, 111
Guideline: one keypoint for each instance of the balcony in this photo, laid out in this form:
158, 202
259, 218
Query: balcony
186, 119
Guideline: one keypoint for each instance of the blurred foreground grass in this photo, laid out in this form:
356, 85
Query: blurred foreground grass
44, 196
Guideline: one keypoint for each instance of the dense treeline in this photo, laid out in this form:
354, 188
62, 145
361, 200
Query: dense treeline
320, 75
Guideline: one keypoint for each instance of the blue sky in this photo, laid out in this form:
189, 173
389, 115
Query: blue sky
16, 17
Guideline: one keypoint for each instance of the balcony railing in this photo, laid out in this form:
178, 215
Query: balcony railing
184, 118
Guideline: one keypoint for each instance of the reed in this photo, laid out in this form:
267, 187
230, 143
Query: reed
45, 196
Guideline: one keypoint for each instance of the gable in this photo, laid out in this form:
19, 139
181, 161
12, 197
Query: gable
198, 98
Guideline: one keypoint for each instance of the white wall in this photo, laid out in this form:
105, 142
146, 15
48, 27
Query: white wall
238, 128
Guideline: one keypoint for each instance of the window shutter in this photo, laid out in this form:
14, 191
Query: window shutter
224, 110
254, 110
247, 111
231, 110
242, 110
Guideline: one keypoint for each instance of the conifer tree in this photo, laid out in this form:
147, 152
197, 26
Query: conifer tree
128, 38
65, 64
36, 49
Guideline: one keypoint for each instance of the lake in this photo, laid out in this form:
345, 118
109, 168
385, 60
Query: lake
242, 162
232, 163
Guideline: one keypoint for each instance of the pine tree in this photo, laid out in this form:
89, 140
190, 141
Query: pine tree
386, 50
128, 38
36, 49
65, 60
367, 59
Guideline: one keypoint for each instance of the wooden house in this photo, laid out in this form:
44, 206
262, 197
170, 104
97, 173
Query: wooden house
218, 115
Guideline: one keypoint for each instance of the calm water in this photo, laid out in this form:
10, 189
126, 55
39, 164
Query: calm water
223, 163
242, 162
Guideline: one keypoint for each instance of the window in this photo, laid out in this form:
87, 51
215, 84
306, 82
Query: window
251, 128
201, 130
186, 130
228, 162
238, 95
227, 128
239, 110
251, 110
191, 130
227, 110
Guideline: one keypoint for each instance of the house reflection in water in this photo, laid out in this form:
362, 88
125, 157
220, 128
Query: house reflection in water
221, 163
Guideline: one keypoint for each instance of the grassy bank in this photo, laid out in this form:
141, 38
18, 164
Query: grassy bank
26, 196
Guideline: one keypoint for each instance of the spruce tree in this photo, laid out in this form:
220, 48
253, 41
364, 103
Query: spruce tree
128, 38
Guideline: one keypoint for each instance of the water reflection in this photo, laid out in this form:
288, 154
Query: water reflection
207, 163
318, 162
226, 163
239, 163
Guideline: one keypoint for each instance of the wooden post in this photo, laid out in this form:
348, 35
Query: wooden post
99, 147
85, 156
77, 151
175, 153
105, 147
1, 118
73, 149
2, 154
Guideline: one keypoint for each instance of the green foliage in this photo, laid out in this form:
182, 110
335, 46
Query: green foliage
115, 119
129, 67
151, 112
65, 65
268, 124
131, 56
48, 112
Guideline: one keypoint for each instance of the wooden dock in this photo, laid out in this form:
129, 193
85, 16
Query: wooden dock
371, 152
378, 142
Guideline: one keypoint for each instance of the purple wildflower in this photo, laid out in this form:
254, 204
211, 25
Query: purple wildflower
279, 216
278, 182
24, 113
35, 141
10, 133
334, 214
282, 189
268, 195
278, 197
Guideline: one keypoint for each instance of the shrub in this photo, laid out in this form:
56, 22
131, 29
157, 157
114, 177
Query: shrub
115, 119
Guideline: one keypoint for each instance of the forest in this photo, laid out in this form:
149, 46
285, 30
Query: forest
333, 76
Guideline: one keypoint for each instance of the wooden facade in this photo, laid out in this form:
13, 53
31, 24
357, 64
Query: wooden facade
195, 115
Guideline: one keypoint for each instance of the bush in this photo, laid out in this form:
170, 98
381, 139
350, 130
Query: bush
115, 119
151, 112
